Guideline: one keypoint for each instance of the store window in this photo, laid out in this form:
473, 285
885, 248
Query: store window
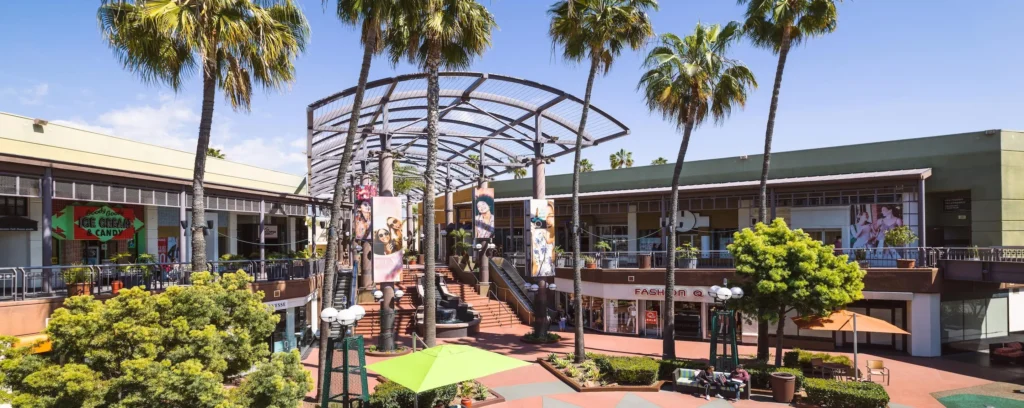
826, 236
622, 316
616, 235
687, 320
593, 313
13, 207
974, 319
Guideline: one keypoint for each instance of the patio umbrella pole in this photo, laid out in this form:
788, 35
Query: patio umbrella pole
856, 374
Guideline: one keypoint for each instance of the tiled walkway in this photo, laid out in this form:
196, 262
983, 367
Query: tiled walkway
913, 380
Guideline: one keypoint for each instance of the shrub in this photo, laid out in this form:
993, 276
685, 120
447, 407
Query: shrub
667, 367
389, 394
836, 394
632, 370
802, 358
791, 358
760, 375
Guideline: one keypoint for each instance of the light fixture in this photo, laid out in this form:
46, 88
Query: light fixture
477, 246
713, 292
359, 311
532, 287
378, 295
724, 294
399, 293
737, 292
329, 315
346, 317
552, 286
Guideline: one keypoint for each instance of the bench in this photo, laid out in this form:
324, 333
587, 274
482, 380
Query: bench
685, 380
1012, 352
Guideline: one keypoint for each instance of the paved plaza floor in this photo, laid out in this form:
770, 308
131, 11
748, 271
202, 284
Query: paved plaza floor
914, 380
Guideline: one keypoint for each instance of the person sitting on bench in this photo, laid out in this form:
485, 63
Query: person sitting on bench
739, 378
706, 378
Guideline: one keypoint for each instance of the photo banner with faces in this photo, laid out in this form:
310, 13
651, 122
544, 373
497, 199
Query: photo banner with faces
388, 228
483, 213
362, 212
540, 224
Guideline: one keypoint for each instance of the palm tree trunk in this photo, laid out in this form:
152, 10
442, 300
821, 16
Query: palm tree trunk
199, 172
429, 273
762, 325
668, 334
577, 276
332, 256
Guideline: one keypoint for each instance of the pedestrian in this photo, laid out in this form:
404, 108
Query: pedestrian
561, 320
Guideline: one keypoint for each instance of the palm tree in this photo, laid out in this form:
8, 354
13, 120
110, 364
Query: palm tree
778, 25
621, 159
232, 43
372, 18
214, 153
407, 178
586, 166
517, 172
594, 31
448, 33
687, 80
473, 160
659, 161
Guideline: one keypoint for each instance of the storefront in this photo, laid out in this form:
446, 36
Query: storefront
296, 323
97, 233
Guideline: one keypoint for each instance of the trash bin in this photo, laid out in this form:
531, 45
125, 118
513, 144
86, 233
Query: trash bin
783, 387
644, 261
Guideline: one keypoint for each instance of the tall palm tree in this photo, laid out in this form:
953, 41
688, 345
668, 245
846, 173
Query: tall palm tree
372, 18
659, 161
214, 153
517, 172
586, 166
778, 25
688, 81
621, 159
594, 31
473, 160
232, 44
449, 34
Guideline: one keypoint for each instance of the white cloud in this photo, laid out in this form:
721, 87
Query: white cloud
173, 122
28, 96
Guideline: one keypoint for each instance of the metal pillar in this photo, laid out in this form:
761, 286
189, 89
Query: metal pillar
365, 267
386, 176
311, 244
47, 216
183, 222
484, 283
921, 230
539, 192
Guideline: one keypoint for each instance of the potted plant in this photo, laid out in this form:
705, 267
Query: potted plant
410, 260
973, 254
606, 262
559, 261
466, 393
589, 262
861, 255
900, 237
479, 391
686, 256
78, 279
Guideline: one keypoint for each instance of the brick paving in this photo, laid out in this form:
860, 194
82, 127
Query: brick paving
913, 382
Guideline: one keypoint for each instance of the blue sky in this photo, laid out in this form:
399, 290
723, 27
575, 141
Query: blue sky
894, 69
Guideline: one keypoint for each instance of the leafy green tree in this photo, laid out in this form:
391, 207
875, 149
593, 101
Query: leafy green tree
586, 166
594, 31
215, 153
621, 159
173, 349
436, 33
783, 270
659, 161
690, 80
778, 25
517, 172
231, 44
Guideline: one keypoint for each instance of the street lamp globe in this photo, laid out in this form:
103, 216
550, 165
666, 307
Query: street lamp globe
552, 286
359, 311
713, 291
399, 293
724, 294
737, 292
329, 315
533, 287
346, 317
378, 295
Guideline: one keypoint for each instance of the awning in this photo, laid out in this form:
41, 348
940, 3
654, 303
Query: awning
843, 321
40, 342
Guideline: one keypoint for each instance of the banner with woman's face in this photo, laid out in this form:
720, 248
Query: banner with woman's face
870, 222
483, 213
541, 226
388, 228
363, 212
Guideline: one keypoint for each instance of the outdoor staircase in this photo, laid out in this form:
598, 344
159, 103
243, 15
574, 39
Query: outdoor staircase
493, 313
405, 309
342, 293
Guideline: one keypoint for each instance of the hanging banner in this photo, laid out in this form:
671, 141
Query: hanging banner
483, 213
362, 213
92, 223
387, 239
541, 226
870, 222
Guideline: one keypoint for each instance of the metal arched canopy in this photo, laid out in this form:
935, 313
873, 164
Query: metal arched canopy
504, 122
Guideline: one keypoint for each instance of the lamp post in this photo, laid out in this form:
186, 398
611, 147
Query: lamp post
386, 342
346, 318
724, 318
539, 293
485, 248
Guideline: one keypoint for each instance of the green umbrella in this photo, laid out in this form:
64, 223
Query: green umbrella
443, 365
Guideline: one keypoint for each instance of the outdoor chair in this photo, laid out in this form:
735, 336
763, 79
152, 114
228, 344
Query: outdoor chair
818, 367
877, 367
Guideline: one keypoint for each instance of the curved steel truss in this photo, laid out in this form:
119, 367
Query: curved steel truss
504, 122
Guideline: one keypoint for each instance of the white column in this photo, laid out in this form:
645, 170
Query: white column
925, 326
152, 229
289, 327
233, 233
631, 228
290, 223
35, 238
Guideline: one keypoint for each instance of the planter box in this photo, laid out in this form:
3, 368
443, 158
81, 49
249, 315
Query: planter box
610, 388
906, 263
610, 263
687, 263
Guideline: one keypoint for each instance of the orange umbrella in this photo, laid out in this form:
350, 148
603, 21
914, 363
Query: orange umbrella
845, 320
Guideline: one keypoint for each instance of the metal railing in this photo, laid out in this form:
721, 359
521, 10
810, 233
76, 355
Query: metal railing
21, 283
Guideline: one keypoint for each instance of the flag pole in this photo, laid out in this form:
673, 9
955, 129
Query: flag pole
855, 341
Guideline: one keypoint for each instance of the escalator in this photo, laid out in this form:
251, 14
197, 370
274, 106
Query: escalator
344, 293
506, 280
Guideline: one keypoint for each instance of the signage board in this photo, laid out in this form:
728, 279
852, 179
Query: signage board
95, 223
956, 204
651, 317
269, 232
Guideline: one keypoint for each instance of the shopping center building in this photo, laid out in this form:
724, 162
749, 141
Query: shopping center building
954, 191
71, 196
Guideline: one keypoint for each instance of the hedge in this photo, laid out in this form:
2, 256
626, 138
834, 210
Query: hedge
667, 367
390, 394
627, 370
802, 358
761, 374
836, 394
